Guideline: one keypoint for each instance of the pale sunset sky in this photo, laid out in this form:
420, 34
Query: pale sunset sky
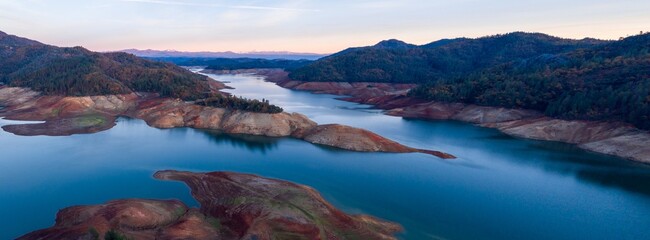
306, 26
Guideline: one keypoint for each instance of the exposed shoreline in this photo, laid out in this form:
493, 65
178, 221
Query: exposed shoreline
612, 138
64, 116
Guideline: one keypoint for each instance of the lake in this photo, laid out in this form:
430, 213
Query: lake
499, 187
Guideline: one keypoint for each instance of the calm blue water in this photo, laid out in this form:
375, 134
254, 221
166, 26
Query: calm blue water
499, 188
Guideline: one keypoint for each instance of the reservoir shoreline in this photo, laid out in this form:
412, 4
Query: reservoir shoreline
611, 138
76, 115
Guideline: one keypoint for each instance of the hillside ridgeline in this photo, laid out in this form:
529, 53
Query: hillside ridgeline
393, 61
78, 72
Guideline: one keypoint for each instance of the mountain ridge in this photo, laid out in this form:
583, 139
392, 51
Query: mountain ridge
150, 53
408, 63
76, 71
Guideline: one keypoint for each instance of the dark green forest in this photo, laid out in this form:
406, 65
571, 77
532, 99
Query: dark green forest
79, 72
607, 82
239, 103
571, 79
394, 61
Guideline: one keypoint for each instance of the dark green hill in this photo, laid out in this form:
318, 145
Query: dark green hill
79, 72
606, 82
572, 79
398, 62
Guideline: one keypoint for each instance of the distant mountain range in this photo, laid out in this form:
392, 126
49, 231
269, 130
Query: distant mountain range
261, 55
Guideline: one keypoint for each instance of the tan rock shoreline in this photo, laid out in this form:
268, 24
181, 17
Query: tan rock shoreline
75, 115
612, 138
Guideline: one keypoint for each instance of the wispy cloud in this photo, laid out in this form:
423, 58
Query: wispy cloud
273, 8
100, 6
165, 2
248, 7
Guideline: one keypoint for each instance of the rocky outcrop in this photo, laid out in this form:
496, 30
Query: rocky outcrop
135, 218
64, 126
549, 129
24, 104
437, 111
62, 115
233, 206
360, 140
275, 125
633, 145
74, 115
169, 113
614, 138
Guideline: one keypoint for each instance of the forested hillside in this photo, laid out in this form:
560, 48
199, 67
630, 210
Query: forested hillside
606, 82
572, 79
79, 72
398, 62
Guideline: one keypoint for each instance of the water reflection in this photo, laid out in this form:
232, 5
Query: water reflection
630, 179
553, 157
252, 143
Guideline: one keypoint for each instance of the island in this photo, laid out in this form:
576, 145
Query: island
232, 206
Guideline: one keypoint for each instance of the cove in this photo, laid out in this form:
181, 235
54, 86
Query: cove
499, 187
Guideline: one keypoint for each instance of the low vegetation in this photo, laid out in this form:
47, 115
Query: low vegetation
114, 235
239, 103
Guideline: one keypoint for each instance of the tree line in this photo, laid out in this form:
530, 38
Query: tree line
239, 103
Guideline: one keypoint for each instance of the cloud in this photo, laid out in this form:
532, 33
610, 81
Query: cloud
160, 2
246, 7
274, 8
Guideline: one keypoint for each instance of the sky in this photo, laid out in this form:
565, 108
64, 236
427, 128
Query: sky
306, 26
